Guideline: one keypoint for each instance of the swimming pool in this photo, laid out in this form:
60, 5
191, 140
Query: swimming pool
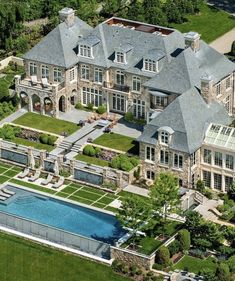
63, 215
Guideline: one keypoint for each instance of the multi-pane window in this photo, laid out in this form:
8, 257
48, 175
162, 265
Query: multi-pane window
136, 84
218, 90
227, 103
57, 74
228, 183
150, 65
72, 74
85, 72
119, 102
45, 71
207, 178
91, 95
207, 156
164, 157
218, 159
228, 83
193, 180
178, 161
85, 51
150, 175
120, 78
32, 69
150, 153
120, 57
193, 158
229, 162
138, 108
161, 101
98, 75
217, 181
164, 137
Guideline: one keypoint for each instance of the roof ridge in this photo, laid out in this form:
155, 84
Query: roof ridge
100, 27
62, 45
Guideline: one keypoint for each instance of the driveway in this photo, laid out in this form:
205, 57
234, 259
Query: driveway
227, 5
223, 44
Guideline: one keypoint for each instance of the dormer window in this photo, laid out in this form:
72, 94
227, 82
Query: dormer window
150, 65
164, 137
85, 51
120, 57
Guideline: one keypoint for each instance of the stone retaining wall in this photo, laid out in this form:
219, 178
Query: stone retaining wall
4, 63
132, 258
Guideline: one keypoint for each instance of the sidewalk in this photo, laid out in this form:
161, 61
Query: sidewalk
223, 44
13, 116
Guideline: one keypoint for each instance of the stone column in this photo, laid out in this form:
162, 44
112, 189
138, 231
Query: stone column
30, 103
42, 158
72, 166
42, 109
119, 179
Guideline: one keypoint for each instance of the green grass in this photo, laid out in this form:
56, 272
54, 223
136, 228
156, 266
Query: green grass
87, 195
3, 179
81, 200
34, 144
69, 189
116, 141
211, 23
92, 160
149, 245
105, 200
195, 264
45, 123
2, 170
10, 173
33, 186
22, 260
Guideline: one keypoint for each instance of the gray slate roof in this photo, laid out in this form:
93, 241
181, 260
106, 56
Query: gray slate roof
188, 122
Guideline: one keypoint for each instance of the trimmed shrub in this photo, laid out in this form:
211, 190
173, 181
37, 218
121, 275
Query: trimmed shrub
129, 116
231, 263
174, 248
89, 150
7, 132
90, 106
115, 163
163, 256
200, 186
137, 173
43, 138
79, 106
101, 109
97, 151
126, 165
134, 161
184, 239
51, 140
158, 266
222, 272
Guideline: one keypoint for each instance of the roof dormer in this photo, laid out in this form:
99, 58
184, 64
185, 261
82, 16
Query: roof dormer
164, 135
86, 44
121, 53
151, 60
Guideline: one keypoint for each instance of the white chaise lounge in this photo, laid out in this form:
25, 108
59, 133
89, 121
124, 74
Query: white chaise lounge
35, 176
47, 180
58, 183
24, 173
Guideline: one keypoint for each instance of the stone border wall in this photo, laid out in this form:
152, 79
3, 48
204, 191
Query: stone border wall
5, 62
132, 258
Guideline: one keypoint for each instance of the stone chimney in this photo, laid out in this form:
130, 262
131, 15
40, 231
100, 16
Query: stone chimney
192, 39
207, 88
67, 15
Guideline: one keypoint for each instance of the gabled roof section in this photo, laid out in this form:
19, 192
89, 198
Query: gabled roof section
57, 47
189, 116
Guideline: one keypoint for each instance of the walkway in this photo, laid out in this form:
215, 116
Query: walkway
223, 44
13, 116
137, 190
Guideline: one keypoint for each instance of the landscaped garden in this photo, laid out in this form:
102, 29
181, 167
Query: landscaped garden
27, 137
210, 22
47, 124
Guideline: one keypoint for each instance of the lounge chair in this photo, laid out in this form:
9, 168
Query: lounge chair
34, 80
8, 191
45, 83
58, 183
35, 176
24, 173
2, 198
4, 194
47, 180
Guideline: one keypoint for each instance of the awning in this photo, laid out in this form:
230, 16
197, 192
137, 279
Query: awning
158, 94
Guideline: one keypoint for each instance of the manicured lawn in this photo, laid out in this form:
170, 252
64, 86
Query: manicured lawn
116, 141
92, 160
149, 245
22, 260
195, 264
46, 123
211, 23
37, 145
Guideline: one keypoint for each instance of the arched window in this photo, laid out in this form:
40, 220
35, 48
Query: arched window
120, 79
136, 84
45, 71
164, 137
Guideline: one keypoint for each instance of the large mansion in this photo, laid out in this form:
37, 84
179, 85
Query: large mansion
181, 86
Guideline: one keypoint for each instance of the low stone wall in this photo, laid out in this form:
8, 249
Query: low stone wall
132, 258
4, 63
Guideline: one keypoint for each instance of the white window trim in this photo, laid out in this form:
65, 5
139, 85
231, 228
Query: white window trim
124, 58
136, 78
74, 78
177, 167
160, 138
100, 70
147, 70
85, 46
229, 88
84, 66
218, 85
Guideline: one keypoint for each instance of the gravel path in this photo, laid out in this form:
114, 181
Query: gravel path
223, 44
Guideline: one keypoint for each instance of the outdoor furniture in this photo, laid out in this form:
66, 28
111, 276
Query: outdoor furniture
45, 83
24, 173
5, 194
34, 80
103, 123
58, 183
35, 176
47, 180
107, 130
3, 198
81, 123
8, 191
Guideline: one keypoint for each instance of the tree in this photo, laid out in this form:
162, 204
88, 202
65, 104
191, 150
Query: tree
133, 214
184, 239
165, 195
223, 273
163, 256
231, 263
231, 192
233, 49
200, 186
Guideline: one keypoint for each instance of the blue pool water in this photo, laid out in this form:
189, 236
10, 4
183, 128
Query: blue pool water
66, 216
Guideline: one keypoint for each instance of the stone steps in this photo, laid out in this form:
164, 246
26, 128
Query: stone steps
76, 147
65, 145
